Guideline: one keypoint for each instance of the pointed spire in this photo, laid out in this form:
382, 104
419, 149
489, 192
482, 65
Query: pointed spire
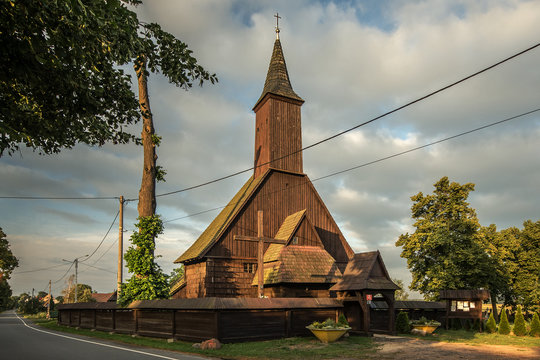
277, 78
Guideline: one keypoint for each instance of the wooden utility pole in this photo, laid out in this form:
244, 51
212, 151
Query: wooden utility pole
76, 274
260, 249
49, 304
120, 249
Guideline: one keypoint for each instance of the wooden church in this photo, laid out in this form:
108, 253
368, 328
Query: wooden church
278, 219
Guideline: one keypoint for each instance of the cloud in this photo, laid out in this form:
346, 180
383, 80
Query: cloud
351, 61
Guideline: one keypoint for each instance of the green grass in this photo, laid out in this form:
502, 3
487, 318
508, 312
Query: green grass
353, 347
476, 338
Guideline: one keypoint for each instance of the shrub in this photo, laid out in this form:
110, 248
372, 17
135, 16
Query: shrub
402, 323
491, 325
535, 326
504, 325
520, 329
342, 320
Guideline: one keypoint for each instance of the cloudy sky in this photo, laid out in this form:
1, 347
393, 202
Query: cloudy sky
351, 61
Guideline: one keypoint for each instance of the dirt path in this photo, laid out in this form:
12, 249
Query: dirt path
394, 347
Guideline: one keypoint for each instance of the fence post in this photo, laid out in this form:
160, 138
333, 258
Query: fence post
173, 323
288, 323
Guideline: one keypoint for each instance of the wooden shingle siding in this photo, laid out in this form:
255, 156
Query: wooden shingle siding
280, 195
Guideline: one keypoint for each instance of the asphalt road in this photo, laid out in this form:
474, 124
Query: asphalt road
20, 339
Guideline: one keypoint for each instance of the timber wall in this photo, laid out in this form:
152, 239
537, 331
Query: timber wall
229, 320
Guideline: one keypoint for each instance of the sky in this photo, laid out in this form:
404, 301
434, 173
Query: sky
350, 61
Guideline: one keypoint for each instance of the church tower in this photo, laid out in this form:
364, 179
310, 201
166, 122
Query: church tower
278, 130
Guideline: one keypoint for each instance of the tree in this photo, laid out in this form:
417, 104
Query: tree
30, 305
445, 251
149, 281
400, 294
8, 262
527, 274
84, 293
535, 326
491, 325
504, 325
60, 82
402, 323
520, 329
176, 274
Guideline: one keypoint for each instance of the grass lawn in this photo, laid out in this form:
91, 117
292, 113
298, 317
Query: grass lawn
353, 347
475, 338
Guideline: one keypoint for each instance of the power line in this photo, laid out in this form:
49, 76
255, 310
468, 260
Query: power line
36, 270
374, 161
63, 276
58, 198
95, 267
359, 125
102, 240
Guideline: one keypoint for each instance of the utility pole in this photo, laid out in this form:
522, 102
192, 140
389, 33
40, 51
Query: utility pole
32, 292
76, 261
120, 249
49, 304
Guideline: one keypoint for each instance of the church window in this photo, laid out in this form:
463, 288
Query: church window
249, 267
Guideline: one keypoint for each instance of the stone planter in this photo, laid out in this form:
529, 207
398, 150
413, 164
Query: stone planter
328, 335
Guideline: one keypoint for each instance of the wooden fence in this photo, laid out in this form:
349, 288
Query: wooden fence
227, 319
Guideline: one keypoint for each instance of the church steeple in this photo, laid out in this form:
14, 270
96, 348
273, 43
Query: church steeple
278, 121
277, 79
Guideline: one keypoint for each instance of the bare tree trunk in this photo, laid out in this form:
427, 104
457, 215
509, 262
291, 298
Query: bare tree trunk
147, 193
494, 306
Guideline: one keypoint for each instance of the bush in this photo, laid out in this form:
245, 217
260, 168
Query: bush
402, 323
504, 325
491, 325
535, 326
342, 321
520, 329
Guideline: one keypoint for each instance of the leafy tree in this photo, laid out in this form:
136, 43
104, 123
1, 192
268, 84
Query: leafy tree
5, 295
400, 294
60, 83
84, 294
535, 325
402, 323
520, 329
527, 274
30, 305
148, 282
8, 262
504, 325
445, 251
491, 325
176, 274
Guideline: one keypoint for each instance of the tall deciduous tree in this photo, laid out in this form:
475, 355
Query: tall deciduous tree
527, 275
445, 251
60, 83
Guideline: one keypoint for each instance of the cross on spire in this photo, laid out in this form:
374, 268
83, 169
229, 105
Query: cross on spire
277, 25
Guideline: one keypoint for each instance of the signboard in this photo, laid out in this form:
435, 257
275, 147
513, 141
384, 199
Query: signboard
369, 297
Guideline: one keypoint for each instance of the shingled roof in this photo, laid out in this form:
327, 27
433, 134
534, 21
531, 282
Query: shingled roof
277, 79
365, 271
299, 264
220, 223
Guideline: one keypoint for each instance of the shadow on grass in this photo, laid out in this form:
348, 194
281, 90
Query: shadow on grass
352, 347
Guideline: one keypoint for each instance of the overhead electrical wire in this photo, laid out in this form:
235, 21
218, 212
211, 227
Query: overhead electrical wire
36, 270
102, 240
375, 161
301, 150
357, 126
